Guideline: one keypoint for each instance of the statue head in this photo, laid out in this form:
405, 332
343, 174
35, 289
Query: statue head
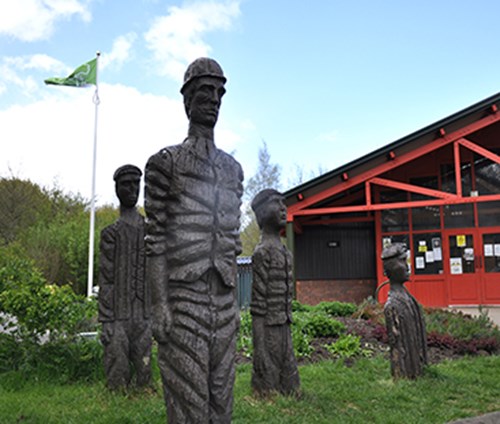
395, 258
127, 183
203, 89
269, 208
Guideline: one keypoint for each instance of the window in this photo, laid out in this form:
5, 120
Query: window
428, 253
428, 217
394, 220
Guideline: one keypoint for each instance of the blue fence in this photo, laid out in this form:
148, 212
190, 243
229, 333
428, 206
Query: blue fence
244, 286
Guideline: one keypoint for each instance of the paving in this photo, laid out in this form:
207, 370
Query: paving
492, 418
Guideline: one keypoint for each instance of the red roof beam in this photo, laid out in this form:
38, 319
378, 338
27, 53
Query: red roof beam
412, 188
479, 150
398, 205
422, 150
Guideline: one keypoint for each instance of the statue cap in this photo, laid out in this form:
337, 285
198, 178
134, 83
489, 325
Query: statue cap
127, 169
394, 250
202, 67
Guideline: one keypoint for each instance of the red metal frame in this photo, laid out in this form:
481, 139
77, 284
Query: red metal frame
457, 137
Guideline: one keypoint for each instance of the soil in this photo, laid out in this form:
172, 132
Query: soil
372, 339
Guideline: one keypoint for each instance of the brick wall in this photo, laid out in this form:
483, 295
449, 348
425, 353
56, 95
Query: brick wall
312, 292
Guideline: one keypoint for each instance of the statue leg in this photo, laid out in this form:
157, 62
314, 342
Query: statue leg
140, 351
116, 359
225, 319
183, 359
289, 376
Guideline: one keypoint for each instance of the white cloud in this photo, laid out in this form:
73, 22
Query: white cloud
31, 20
52, 139
18, 72
120, 52
176, 39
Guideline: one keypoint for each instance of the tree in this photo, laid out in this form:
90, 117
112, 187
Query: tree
268, 175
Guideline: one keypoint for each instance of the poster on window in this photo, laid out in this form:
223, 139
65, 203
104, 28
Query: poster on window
488, 250
456, 266
497, 249
469, 254
461, 240
436, 248
419, 262
429, 256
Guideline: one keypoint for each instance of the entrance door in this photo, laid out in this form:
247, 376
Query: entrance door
462, 267
491, 267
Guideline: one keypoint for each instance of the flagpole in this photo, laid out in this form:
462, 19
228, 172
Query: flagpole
96, 101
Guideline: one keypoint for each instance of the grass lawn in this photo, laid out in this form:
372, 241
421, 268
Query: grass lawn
332, 393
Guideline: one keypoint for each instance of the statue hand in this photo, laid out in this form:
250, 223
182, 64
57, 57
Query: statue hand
162, 322
107, 333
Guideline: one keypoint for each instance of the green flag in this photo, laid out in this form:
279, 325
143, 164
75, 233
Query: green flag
82, 76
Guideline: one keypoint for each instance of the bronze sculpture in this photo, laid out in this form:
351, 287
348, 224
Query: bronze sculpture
124, 297
404, 319
193, 199
274, 363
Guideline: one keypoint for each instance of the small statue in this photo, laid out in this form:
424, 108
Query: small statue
124, 297
274, 363
193, 199
403, 316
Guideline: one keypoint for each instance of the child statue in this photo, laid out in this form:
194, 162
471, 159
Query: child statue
274, 363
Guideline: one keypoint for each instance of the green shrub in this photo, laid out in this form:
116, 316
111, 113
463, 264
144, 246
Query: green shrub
322, 325
300, 307
337, 309
244, 343
301, 339
459, 325
347, 346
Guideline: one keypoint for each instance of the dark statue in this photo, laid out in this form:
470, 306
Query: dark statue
403, 316
274, 364
124, 297
193, 199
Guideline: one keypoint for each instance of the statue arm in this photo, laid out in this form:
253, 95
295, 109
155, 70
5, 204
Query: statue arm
260, 269
106, 275
157, 178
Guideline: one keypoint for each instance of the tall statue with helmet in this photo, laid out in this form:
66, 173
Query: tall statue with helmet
124, 297
403, 317
192, 203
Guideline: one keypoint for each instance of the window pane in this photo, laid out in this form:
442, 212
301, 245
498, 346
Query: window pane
491, 251
462, 256
428, 254
428, 217
487, 182
394, 219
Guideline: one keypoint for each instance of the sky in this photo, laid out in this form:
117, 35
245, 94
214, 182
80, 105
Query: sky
321, 82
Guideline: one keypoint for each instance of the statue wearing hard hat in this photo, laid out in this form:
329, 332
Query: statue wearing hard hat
192, 203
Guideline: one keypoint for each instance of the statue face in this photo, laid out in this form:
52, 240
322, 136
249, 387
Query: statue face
127, 189
399, 271
206, 100
275, 212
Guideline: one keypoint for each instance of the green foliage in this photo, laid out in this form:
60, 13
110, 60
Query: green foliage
301, 307
337, 309
40, 307
320, 324
301, 339
347, 346
459, 325
244, 344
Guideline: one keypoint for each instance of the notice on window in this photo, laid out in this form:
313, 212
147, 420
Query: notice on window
497, 249
456, 266
436, 248
461, 240
419, 262
429, 256
386, 241
469, 254
488, 250
422, 246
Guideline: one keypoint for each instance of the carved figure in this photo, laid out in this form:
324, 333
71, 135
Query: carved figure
193, 199
403, 316
274, 363
124, 297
